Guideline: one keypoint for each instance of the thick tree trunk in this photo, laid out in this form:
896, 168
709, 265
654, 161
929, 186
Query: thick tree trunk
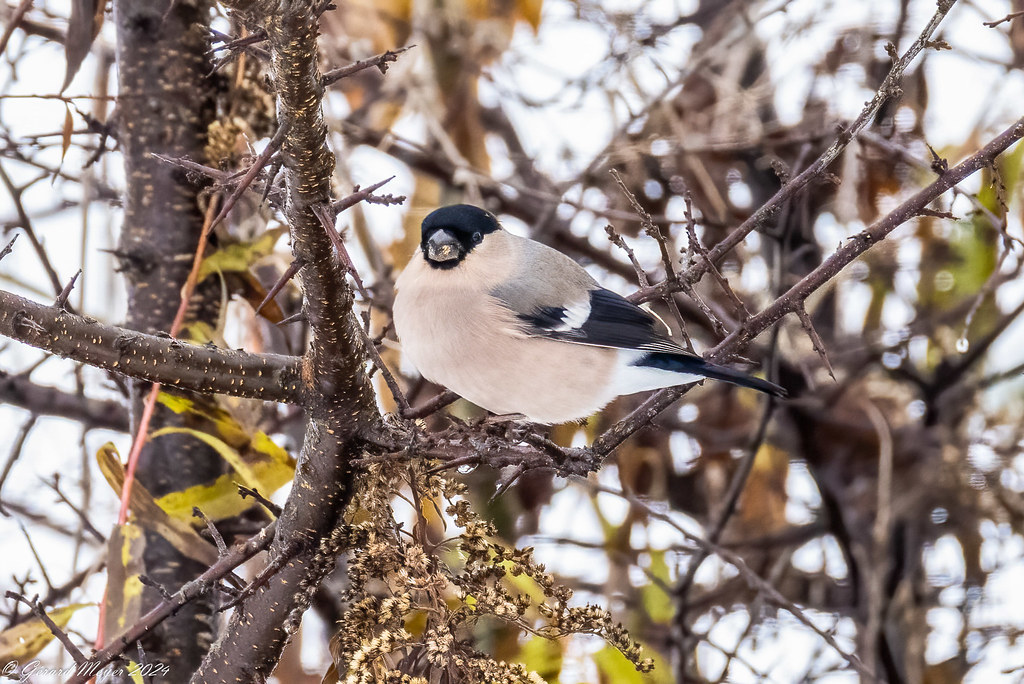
165, 105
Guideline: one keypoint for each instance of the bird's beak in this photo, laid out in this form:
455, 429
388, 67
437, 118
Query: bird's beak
443, 246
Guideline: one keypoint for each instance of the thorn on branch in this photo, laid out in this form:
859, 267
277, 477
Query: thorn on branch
8, 248
62, 299
939, 164
144, 662
816, 342
222, 548
290, 272
229, 43
327, 217
297, 317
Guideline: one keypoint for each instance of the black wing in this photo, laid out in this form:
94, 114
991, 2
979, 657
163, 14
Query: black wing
612, 321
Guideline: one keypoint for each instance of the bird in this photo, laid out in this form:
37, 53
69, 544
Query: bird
518, 328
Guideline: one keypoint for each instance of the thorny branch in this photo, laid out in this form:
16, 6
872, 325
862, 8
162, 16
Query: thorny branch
813, 173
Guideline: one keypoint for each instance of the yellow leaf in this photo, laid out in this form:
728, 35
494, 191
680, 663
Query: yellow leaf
65, 138
227, 427
149, 515
239, 257
245, 472
658, 605
220, 499
135, 672
125, 547
613, 668
24, 640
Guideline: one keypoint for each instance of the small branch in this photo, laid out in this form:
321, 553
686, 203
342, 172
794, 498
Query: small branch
327, 219
13, 22
1009, 17
190, 591
616, 239
385, 372
796, 295
16, 448
289, 552
222, 548
54, 484
358, 195
380, 61
250, 175
57, 632
18, 390
290, 272
751, 578
274, 509
816, 171
816, 342
26, 226
432, 405
8, 248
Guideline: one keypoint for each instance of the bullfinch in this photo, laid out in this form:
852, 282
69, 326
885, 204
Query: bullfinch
517, 327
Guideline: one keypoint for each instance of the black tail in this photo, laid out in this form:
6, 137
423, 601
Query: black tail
686, 363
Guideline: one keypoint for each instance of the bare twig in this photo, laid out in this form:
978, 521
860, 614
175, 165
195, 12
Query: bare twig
222, 548
160, 612
16, 449
432, 405
13, 22
796, 295
57, 632
1009, 17
887, 90
62, 299
816, 341
380, 61
751, 578
274, 509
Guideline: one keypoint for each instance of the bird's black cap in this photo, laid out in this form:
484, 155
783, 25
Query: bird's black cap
460, 218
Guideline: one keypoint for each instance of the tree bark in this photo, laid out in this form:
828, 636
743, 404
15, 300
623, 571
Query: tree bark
166, 103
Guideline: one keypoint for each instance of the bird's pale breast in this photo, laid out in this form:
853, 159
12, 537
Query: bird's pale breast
458, 336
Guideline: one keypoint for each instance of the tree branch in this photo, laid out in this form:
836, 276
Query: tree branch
794, 298
190, 591
148, 357
341, 408
888, 89
19, 390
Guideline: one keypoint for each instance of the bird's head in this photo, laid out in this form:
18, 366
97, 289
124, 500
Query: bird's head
450, 233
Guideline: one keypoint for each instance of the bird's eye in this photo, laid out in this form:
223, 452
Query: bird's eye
477, 237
